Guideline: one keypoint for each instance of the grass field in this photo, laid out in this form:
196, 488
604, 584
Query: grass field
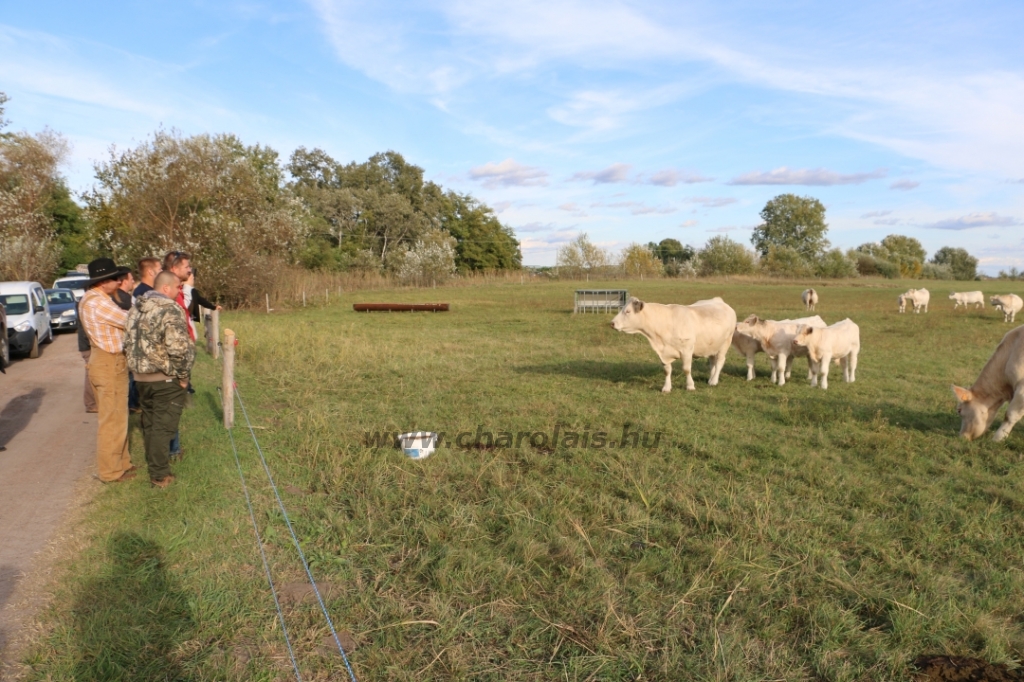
772, 534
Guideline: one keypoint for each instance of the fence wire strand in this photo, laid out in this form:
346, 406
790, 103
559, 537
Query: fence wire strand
263, 554
295, 539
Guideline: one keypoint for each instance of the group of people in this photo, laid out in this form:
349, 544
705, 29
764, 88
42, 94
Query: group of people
138, 342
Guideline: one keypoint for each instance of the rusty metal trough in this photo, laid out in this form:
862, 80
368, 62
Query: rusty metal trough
400, 307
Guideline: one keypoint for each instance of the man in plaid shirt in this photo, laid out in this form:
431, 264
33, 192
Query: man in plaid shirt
103, 322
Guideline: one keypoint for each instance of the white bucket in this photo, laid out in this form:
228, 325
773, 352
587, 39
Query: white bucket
418, 444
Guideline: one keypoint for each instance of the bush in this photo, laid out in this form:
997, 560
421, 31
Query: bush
834, 265
431, 260
785, 261
723, 256
933, 271
637, 260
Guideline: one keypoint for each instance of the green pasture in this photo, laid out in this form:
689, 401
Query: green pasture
773, 534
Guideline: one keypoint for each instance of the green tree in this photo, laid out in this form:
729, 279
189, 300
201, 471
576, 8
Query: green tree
640, 261
723, 256
835, 265
212, 196
906, 252
963, 265
580, 257
784, 261
794, 222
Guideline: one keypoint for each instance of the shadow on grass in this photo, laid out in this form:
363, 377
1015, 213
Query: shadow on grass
615, 372
131, 618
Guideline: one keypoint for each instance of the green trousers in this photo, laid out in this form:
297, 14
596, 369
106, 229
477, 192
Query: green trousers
162, 403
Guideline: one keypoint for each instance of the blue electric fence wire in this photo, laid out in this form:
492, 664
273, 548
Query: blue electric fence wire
263, 555
295, 540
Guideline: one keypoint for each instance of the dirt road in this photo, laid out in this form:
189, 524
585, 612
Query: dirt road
50, 447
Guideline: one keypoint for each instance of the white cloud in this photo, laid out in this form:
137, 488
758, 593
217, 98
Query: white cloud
712, 202
727, 228
671, 178
508, 173
501, 206
905, 185
876, 214
688, 223
973, 220
615, 173
798, 176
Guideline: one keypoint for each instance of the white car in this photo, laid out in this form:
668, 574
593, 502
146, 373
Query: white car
74, 282
28, 316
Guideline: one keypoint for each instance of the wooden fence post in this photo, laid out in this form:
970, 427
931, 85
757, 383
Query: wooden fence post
228, 380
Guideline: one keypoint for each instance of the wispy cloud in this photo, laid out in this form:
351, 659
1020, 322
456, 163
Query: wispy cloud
688, 223
905, 185
535, 227
726, 228
636, 207
671, 178
888, 221
876, 214
712, 202
812, 177
973, 220
615, 173
508, 173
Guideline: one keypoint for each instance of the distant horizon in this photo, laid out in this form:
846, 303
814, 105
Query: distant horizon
632, 122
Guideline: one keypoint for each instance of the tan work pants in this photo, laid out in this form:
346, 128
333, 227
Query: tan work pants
88, 395
108, 374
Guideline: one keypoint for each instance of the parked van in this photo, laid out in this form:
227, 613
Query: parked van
28, 316
74, 282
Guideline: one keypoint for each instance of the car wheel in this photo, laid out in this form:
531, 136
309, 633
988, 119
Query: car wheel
34, 352
49, 335
5, 351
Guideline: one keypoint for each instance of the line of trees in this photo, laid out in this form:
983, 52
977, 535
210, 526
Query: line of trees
242, 212
790, 242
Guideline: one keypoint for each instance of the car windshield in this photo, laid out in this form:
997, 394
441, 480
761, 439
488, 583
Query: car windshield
78, 283
60, 297
16, 304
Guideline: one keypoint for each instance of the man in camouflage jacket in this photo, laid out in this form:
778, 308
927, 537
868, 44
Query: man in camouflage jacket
160, 355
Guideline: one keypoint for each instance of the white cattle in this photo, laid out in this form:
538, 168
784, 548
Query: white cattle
966, 298
810, 299
748, 347
918, 298
680, 332
841, 342
902, 300
1001, 380
1009, 304
776, 339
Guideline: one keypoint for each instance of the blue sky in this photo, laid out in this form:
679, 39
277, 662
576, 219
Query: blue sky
629, 121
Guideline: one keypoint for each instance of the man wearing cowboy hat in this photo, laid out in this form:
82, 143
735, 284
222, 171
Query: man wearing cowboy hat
103, 322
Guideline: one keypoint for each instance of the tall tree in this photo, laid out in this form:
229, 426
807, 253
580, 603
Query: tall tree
212, 196
962, 263
906, 252
793, 222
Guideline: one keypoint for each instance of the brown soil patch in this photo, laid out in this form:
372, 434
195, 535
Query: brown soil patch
293, 594
963, 669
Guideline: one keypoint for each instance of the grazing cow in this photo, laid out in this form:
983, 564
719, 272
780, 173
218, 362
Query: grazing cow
776, 339
966, 298
919, 299
840, 341
1000, 381
810, 299
680, 332
1009, 304
902, 300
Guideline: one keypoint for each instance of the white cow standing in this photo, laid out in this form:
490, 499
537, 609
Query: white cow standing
776, 339
967, 298
810, 299
748, 347
902, 300
919, 299
680, 332
1008, 304
1001, 380
841, 342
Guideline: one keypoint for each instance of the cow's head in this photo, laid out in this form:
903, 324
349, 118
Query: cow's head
995, 301
749, 325
952, 296
629, 318
804, 336
975, 416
